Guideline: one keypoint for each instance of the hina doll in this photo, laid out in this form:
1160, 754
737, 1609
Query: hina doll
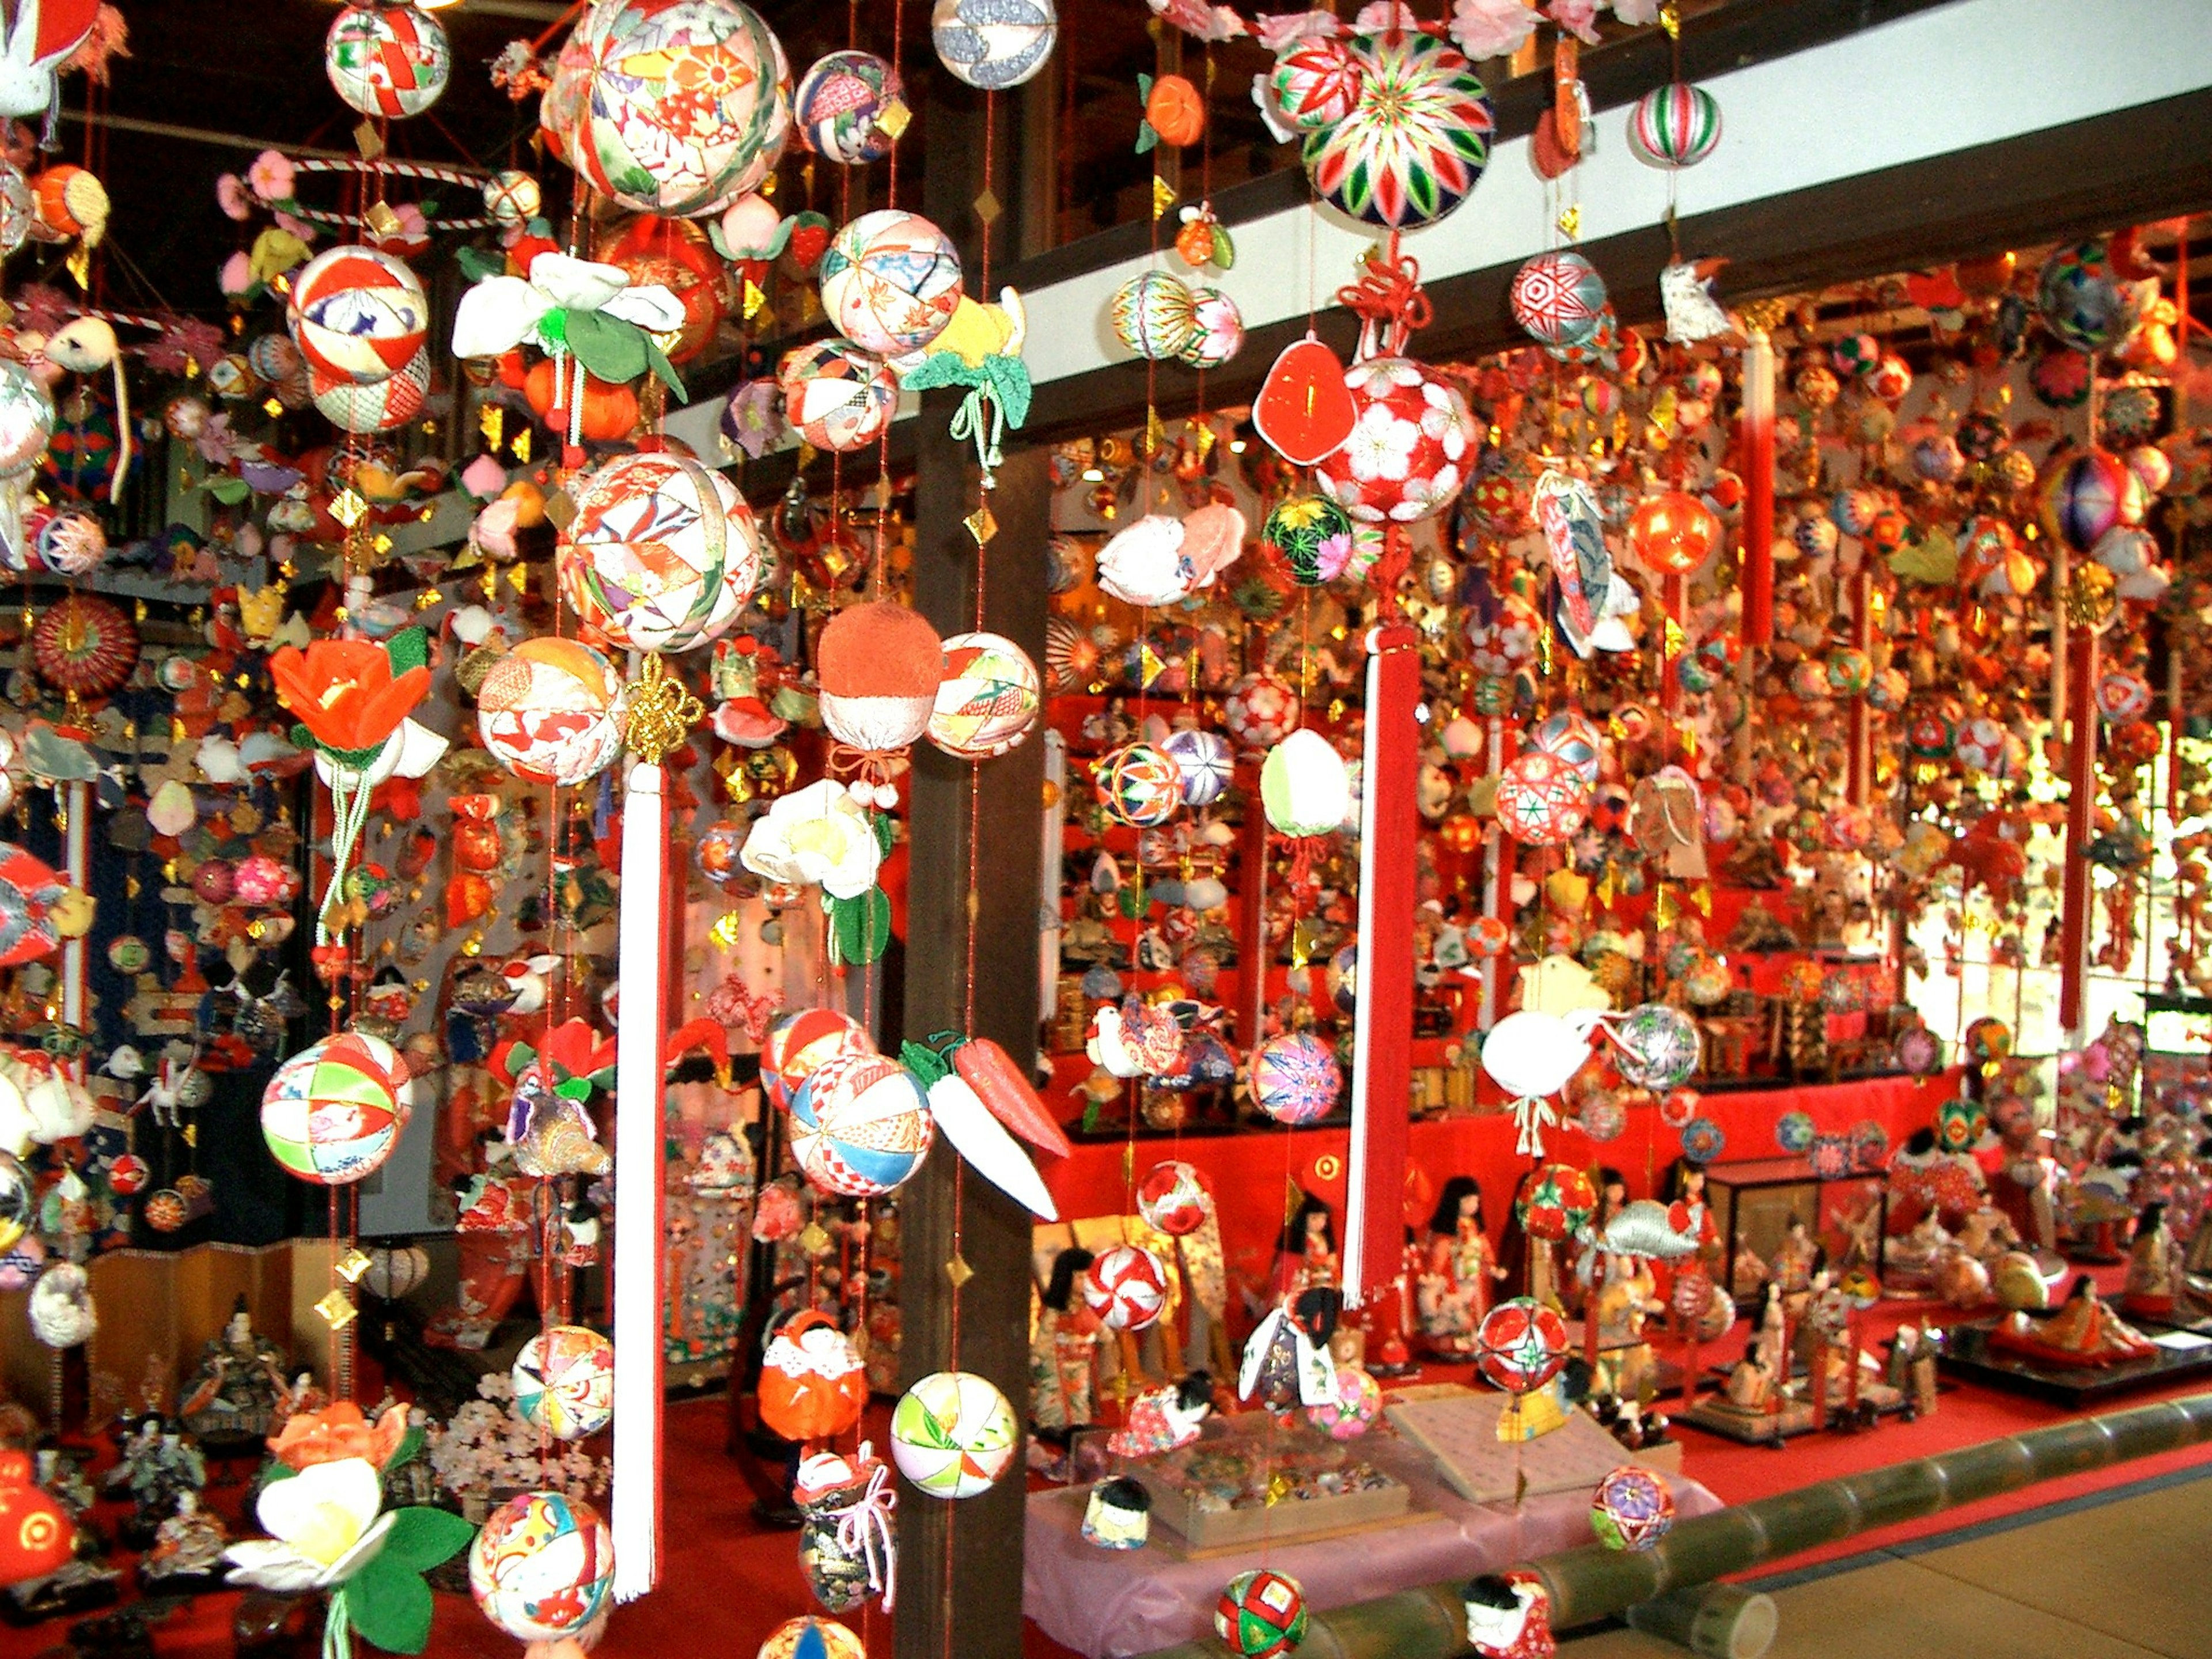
1164, 1419
1063, 1349
2083, 1332
1306, 1257
1459, 1272
1795, 1260
2152, 1266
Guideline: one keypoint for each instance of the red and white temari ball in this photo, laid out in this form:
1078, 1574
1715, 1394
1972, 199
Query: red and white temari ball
860, 1125
1676, 125
1138, 786
989, 697
2122, 697
1126, 1287
836, 397
357, 314
1175, 1198
880, 665
392, 61
799, 1043
550, 711
1519, 1346
84, 646
1294, 1078
1543, 798
379, 406
661, 554
1261, 710
1984, 745
1559, 298
1411, 445
1315, 83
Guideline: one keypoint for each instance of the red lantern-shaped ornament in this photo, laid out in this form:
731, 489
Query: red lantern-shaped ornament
1673, 532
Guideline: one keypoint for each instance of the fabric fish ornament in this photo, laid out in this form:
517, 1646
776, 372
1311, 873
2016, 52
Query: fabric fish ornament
1591, 595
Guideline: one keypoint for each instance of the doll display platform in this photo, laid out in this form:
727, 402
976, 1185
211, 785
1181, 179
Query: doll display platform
1248, 1483
1969, 1353
1108, 1604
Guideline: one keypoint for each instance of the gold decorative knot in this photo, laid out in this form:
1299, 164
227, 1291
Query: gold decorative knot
662, 713
2089, 597
1763, 315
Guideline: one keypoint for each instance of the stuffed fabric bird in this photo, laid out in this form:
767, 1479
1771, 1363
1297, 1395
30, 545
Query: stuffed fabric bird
1692, 314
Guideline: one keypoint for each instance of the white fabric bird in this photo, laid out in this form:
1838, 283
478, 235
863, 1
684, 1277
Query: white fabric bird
1693, 314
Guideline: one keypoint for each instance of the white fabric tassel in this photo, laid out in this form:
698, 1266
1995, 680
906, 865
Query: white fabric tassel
634, 1507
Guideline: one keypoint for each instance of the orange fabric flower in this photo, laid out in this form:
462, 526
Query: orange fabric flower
338, 1432
344, 693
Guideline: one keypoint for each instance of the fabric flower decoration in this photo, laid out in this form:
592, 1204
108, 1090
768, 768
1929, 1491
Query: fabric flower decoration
1276, 30
345, 693
230, 196
323, 1529
1578, 17
819, 835
589, 311
1491, 29
271, 176
336, 1434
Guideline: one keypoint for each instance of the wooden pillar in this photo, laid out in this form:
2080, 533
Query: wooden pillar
960, 1578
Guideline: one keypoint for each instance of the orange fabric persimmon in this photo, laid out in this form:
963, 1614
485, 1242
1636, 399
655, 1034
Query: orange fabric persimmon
1175, 110
1674, 532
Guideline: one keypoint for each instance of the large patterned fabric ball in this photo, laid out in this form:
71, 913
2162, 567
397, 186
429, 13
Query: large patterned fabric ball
1261, 1614
1632, 1509
1126, 1287
1676, 125
860, 1125
1417, 137
850, 107
1175, 1198
1204, 763
564, 1382
836, 397
1217, 328
333, 1112
1261, 709
550, 711
1519, 1346
1294, 1078
1658, 1045
798, 1638
2087, 493
1560, 298
1138, 786
993, 44
1304, 786
1574, 738
392, 61
1312, 536
380, 406
890, 281
26, 418
357, 314
953, 1435
1316, 83
1543, 798
1155, 314
1358, 1403
798, 1043
2082, 299
674, 107
661, 554
542, 1567
880, 665
989, 698
1411, 446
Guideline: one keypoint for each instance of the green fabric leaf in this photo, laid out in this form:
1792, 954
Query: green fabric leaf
407, 649
886, 832
663, 370
228, 487
410, 1447
1011, 385
926, 1063
423, 1538
940, 369
1147, 137
611, 348
1133, 899
860, 928
389, 1605
477, 264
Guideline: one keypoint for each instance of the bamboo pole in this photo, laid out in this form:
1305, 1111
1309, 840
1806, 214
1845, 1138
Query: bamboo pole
1592, 1582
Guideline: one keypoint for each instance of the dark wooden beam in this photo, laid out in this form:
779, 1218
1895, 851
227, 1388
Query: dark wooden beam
2141, 164
960, 1589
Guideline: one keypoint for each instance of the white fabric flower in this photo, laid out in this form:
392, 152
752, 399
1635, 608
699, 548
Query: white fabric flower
499, 313
818, 835
325, 1528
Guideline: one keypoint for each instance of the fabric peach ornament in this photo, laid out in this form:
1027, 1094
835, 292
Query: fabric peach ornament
879, 666
1304, 786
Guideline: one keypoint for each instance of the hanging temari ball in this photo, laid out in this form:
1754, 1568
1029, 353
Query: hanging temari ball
661, 555
1676, 125
988, 699
890, 281
1138, 786
1261, 709
1315, 83
381, 407
26, 417
1312, 536
1204, 761
850, 107
1126, 1287
836, 397
333, 1113
1294, 1078
564, 1382
799, 1043
993, 44
676, 107
1155, 314
1542, 799
550, 711
1632, 1509
1659, 1045
392, 61
879, 666
1417, 137
1559, 298
357, 314
859, 1126
1411, 446
953, 1434
542, 1567
810, 1638
1303, 785
1217, 328
1261, 1614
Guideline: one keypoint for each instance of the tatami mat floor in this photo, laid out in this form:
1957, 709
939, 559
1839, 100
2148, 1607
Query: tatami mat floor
2126, 1578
